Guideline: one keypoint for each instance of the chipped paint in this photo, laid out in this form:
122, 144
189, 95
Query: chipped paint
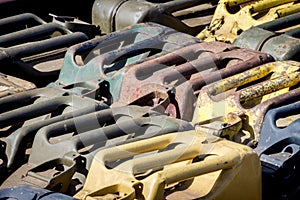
250, 102
225, 26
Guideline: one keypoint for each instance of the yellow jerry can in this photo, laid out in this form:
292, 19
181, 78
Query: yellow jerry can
235, 106
232, 17
185, 165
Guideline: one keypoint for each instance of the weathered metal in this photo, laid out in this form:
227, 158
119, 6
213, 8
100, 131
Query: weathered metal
188, 165
31, 192
245, 98
232, 17
26, 40
11, 85
51, 102
278, 149
73, 142
173, 85
117, 51
186, 16
279, 38
23, 114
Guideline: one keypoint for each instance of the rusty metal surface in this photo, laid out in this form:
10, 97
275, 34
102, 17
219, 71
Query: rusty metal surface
188, 16
172, 85
23, 114
87, 135
26, 40
30, 192
11, 85
74, 142
246, 97
279, 38
107, 56
278, 149
232, 17
183, 165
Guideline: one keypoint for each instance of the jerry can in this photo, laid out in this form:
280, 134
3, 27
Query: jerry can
232, 17
186, 16
105, 56
236, 106
278, 150
279, 38
24, 113
32, 49
168, 86
73, 143
188, 165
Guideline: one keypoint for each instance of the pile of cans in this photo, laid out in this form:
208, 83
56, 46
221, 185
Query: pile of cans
140, 99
